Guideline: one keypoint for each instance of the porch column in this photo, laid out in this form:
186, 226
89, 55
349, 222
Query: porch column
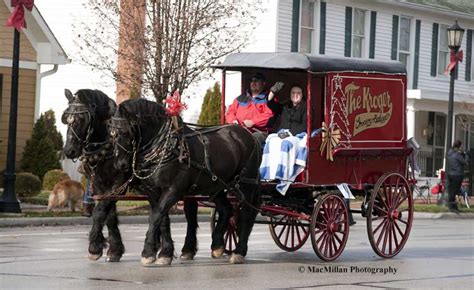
410, 122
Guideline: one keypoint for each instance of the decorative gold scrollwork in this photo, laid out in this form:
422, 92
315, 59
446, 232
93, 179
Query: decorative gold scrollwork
330, 139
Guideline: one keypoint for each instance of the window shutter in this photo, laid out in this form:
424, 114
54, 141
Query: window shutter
434, 50
322, 28
348, 38
394, 37
373, 23
295, 25
469, 55
417, 54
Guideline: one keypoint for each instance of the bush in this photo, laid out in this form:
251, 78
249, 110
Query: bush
41, 151
52, 177
27, 184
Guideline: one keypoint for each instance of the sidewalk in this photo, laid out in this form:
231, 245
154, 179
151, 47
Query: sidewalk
202, 218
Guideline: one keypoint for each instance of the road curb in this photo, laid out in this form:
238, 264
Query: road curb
203, 218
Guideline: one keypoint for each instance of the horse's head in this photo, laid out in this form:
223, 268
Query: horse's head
135, 124
85, 117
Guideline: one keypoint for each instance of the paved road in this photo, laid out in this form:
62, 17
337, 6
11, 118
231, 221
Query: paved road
439, 254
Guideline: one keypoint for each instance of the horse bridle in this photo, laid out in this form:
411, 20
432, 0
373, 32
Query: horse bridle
114, 125
83, 109
156, 154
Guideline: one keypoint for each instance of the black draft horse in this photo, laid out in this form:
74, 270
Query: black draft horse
179, 162
87, 138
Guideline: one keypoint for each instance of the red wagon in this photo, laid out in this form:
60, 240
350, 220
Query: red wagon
360, 105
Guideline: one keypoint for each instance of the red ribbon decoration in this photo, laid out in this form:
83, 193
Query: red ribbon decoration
453, 60
174, 105
17, 18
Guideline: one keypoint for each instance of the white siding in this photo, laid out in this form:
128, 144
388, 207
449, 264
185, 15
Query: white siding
434, 88
283, 31
335, 29
437, 88
383, 36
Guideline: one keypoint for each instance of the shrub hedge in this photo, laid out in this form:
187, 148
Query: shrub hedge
52, 177
27, 184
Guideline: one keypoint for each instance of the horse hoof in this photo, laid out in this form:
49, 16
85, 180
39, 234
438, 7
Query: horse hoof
163, 261
217, 253
113, 259
236, 259
187, 256
147, 261
94, 257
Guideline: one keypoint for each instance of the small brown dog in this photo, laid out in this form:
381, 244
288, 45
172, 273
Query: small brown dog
66, 192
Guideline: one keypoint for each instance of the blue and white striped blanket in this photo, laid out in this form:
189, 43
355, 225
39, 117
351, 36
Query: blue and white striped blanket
283, 159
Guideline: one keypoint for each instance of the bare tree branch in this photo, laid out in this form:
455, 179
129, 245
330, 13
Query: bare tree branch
180, 40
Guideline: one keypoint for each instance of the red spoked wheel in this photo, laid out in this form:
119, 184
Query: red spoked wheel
329, 227
289, 233
230, 235
390, 215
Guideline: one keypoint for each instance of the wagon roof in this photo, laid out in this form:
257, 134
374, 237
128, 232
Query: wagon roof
308, 62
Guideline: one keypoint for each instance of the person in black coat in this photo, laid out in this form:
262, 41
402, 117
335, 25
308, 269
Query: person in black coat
294, 116
455, 163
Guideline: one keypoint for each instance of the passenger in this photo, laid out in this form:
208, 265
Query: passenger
284, 155
255, 109
294, 116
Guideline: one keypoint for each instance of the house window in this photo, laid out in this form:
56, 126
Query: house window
358, 33
307, 26
443, 50
404, 41
464, 131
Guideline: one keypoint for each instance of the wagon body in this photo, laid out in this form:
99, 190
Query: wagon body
362, 101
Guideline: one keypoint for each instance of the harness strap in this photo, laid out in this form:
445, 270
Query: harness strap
205, 131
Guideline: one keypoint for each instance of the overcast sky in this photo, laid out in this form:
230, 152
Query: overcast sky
60, 16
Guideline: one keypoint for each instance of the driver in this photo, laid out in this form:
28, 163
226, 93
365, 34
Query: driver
255, 109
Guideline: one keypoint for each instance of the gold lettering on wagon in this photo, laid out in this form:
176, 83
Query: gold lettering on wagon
377, 109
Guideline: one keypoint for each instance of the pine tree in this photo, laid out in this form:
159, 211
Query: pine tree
41, 152
51, 129
211, 107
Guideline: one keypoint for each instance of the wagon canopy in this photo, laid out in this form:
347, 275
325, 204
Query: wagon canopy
308, 62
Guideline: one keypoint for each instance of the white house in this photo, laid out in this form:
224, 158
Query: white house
411, 31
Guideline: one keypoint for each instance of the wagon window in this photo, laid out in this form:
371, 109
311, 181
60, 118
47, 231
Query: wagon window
307, 26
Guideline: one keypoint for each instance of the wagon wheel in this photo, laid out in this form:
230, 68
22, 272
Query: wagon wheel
389, 215
329, 227
289, 233
230, 235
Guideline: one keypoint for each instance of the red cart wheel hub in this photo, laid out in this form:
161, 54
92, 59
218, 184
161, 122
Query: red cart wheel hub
395, 214
333, 227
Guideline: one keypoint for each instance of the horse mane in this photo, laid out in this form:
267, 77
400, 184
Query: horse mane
105, 107
142, 107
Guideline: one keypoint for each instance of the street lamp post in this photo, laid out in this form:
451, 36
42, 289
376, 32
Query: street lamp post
455, 34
